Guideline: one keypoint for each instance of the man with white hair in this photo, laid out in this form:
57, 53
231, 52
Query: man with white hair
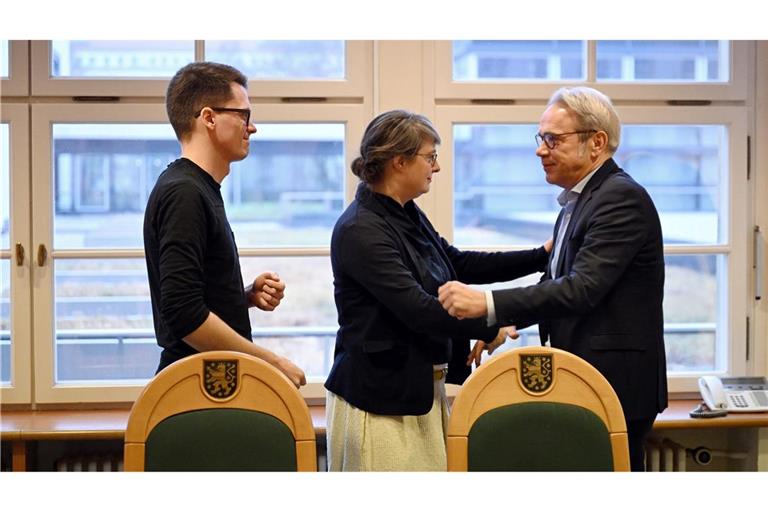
602, 290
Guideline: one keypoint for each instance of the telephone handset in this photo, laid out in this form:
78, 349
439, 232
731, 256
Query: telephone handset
735, 394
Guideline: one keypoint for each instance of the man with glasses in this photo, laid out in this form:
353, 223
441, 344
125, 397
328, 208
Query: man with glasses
601, 294
199, 302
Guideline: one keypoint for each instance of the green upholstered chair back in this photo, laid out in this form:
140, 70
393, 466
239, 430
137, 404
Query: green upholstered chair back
220, 411
539, 436
220, 440
537, 409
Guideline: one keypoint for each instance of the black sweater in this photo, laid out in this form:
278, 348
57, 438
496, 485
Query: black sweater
192, 259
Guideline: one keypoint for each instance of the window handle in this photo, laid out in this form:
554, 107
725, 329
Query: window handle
19, 255
42, 255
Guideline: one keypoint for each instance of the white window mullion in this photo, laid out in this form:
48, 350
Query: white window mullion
20, 312
43, 118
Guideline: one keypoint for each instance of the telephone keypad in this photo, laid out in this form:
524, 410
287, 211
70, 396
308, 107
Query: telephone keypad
738, 401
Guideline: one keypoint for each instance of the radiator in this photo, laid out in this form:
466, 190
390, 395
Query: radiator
664, 455
667, 455
89, 462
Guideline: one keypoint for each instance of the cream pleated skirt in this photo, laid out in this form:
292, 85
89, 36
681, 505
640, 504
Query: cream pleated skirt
362, 441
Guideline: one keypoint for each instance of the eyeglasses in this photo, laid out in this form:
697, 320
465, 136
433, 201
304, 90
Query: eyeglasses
431, 158
553, 139
245, 112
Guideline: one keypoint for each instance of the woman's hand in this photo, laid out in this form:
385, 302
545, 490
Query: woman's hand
501, 338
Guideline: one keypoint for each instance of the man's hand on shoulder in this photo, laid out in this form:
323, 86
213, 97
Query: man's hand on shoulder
267, 291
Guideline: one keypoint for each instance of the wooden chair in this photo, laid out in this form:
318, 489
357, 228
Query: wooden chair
220, 411
537, 409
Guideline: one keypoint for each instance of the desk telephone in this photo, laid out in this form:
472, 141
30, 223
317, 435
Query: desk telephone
735, 394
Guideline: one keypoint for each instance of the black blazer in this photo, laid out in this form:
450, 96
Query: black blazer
388, 262
607, 305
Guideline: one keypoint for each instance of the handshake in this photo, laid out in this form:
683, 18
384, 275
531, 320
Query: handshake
461, 301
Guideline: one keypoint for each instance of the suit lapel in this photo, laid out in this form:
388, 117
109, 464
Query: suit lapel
548, 272
608, 167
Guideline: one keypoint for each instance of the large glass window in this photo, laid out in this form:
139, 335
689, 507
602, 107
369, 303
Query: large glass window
691, 317
104, 327
4, 58
518, 71
103, 174
290, 189
518, 60
5, 187
5, 321
694, 315
303, 327
281, 59
15, 260
628, 61
667, 61
100, 59
288, 192
83, 195
5, 264
501, 198
684, 169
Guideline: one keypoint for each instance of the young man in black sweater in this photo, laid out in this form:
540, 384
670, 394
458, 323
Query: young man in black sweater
199, 302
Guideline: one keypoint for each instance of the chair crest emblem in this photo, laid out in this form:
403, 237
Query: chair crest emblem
220, 378
536, 372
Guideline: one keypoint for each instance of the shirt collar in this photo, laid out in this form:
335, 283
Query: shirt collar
572, 194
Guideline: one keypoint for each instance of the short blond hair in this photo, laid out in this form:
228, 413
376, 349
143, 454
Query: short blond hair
593, 110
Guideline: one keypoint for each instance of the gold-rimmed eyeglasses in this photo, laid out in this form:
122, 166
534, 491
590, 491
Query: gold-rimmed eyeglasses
431, 158
551, 140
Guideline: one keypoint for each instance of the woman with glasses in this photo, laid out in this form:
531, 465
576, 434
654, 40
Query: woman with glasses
386, 407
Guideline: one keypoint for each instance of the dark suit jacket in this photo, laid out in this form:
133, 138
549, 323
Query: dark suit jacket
388, 262
607, 305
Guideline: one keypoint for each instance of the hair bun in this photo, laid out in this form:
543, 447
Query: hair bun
358, 167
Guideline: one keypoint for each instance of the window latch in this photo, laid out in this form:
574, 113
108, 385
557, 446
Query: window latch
42, 255
19, 255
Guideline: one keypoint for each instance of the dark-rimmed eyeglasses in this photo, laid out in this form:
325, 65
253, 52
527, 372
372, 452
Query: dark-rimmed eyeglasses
245, 112
551, 140
431, 158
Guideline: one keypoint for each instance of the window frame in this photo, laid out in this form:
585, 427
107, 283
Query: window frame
734, 285
44, 116
741, 55
20, 388
431, 92
359, 56
17, 83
